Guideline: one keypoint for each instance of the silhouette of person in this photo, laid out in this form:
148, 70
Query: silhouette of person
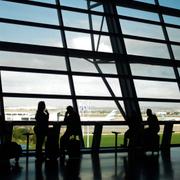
133, 134
151, 132
73, 128
41, 128
153, 123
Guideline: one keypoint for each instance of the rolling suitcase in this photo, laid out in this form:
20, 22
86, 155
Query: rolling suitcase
52, 144
73, 148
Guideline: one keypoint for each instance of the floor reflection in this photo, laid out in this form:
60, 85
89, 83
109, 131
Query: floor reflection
9, 170
114, 166
96, 166
70, 168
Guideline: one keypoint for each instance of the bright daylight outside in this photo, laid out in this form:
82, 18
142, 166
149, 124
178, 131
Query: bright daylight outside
69, 56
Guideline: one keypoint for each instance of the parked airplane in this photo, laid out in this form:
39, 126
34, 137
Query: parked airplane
109, 117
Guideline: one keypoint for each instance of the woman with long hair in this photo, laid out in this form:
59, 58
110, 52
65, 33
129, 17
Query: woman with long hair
41, 128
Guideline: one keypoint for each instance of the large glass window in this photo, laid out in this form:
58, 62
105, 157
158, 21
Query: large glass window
174, 34
24, 109
165, 111
170, 3
74, 3
30, 35
141, 29
157, 89
171, 19
19, 82
24, 60
99, 110
176, 51
152, 71
78, 40
75, 19
144, 48
90, 86
137, 13
28, 13
87, 75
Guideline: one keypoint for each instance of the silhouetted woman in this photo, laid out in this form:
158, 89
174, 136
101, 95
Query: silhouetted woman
73, 128
41, 128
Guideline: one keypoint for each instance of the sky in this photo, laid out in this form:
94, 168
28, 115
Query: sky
37, 83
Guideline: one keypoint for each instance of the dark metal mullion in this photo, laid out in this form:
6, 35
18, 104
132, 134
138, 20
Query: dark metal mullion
159, 100
153, 79
108, 98
29, 23
98, 69
33, 3
156, 23
71, 83
123, 67
56, 51
99, 38
1, 101
169, 46
150, 39
95, 5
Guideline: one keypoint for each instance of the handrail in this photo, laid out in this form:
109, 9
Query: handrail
86, 123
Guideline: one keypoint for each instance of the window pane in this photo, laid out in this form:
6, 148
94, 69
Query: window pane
74, 3
75, 19
115, 86
109, 68
170, 3
138, 13
19, 109
45, 1
174, 34
164, 111
141, 29
97, 21
157, 89
28, 13
146, 48
78, 40
146, 1
18, 82
176, 51
83, 65
90, 86
152, 71
30, 35
171, 19
97, 110
13, 59
102, 43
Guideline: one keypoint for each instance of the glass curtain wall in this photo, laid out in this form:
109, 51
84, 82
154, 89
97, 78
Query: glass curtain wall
106, 62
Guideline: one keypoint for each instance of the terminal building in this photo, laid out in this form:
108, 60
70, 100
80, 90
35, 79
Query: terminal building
109, 59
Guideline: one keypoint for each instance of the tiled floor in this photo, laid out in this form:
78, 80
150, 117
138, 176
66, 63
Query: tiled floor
106, 166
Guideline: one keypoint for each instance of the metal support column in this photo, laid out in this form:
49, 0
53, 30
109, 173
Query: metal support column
123, 67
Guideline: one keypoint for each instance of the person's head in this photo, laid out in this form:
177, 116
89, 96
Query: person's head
149, 112
70, 109
41, 106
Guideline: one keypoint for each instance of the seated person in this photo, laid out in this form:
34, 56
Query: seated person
153, 127
133, 135
73, 128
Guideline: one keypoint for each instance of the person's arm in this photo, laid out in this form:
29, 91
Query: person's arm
65, 116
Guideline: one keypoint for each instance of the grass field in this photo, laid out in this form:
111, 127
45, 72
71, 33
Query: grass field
109, 140
106, 140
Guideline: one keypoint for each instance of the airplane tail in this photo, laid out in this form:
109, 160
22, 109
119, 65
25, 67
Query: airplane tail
111, 115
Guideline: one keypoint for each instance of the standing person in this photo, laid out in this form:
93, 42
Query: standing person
41, 128
73, 128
